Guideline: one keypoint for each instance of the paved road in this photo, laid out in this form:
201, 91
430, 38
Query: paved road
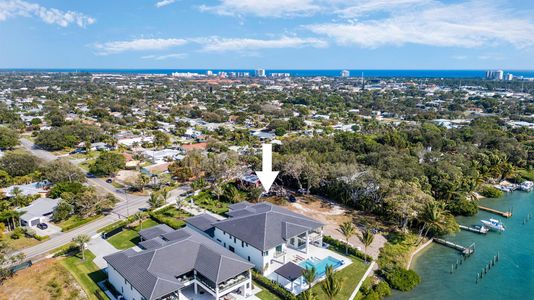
128, 205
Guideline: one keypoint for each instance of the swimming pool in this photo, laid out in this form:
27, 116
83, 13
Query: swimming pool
320, 265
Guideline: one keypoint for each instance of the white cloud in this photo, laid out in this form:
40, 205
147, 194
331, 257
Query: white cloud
138, 45
360, 8
263, 8
19, 8
164, 3
465, 24
216, 44
166, 56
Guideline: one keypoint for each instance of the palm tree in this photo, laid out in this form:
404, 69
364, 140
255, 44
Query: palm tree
331, 285
432, 217
164, 193
80, 241
347, 229
155, 200
233, 194
218, 190
139, 216
366, 238
309, 275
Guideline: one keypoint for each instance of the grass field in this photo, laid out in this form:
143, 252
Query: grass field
76, 221
349, 276
20, 243
85, 272
206, 201
129, 237
45, 280
172, 216
266, 295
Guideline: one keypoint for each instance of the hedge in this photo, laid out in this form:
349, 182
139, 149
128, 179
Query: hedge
402, 279
175, 224
341, 246
273, 287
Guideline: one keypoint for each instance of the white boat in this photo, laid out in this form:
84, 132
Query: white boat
494, 224
526, 186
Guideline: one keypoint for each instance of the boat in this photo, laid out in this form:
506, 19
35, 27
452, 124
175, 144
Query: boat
526, 186
494, 224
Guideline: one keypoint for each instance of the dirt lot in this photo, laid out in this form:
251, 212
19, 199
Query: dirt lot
44, 280
332, 214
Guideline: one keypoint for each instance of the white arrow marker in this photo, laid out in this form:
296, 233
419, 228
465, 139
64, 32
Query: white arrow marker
267, 176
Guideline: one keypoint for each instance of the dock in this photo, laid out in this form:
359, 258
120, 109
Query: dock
506, 214
467, 251
481, 230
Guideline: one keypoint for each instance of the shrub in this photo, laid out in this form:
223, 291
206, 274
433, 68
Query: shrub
491, 192
402, 279
340, 247
372, 296
383, 289
18, 233
272, 287
463, 207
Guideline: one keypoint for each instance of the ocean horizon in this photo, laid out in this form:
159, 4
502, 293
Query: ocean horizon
422, 73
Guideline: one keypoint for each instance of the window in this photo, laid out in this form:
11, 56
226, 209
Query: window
231, 248
248, 258
235, 241
242, 244
224, 245
265, 253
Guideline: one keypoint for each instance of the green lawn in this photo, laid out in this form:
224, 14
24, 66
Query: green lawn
130, 237
75, 221
206, 201
171, 216
350, 276
265, 294
86, 273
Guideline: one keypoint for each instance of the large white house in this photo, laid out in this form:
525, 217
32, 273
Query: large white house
178, 264
261, 233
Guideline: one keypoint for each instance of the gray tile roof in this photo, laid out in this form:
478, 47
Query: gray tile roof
265, 225
203, 222
39, 207
153, 272
155, 231
290, 271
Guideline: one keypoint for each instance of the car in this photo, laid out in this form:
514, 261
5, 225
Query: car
89, 175
42, 226
143, 209
109, 180
292, 199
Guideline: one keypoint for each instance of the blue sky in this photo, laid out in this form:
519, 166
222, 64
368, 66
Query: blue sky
273, 34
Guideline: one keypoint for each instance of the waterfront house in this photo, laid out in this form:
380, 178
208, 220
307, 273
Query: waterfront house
180, 264
279, 242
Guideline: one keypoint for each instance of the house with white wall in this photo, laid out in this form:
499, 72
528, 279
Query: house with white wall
262, 233
180, 264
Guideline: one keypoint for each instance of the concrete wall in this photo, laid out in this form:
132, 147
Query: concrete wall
125, 288
245, 251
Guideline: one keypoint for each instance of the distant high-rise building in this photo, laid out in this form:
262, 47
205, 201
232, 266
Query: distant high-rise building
495, 74
345, 73
260, 73
499, 75
509, 76
209, 73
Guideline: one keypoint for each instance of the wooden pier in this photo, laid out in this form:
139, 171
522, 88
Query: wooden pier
481, 230
506, 214
467, 251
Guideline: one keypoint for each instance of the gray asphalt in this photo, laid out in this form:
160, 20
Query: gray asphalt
128, 205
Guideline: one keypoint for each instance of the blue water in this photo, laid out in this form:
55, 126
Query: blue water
511, 278
320, 266
303, 73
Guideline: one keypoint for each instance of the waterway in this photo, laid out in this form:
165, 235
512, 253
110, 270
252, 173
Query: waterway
511, 278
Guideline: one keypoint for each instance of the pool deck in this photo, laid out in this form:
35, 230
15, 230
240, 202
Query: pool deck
298, 257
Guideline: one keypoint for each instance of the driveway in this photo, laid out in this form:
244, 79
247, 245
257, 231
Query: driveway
100, 248
51, 230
